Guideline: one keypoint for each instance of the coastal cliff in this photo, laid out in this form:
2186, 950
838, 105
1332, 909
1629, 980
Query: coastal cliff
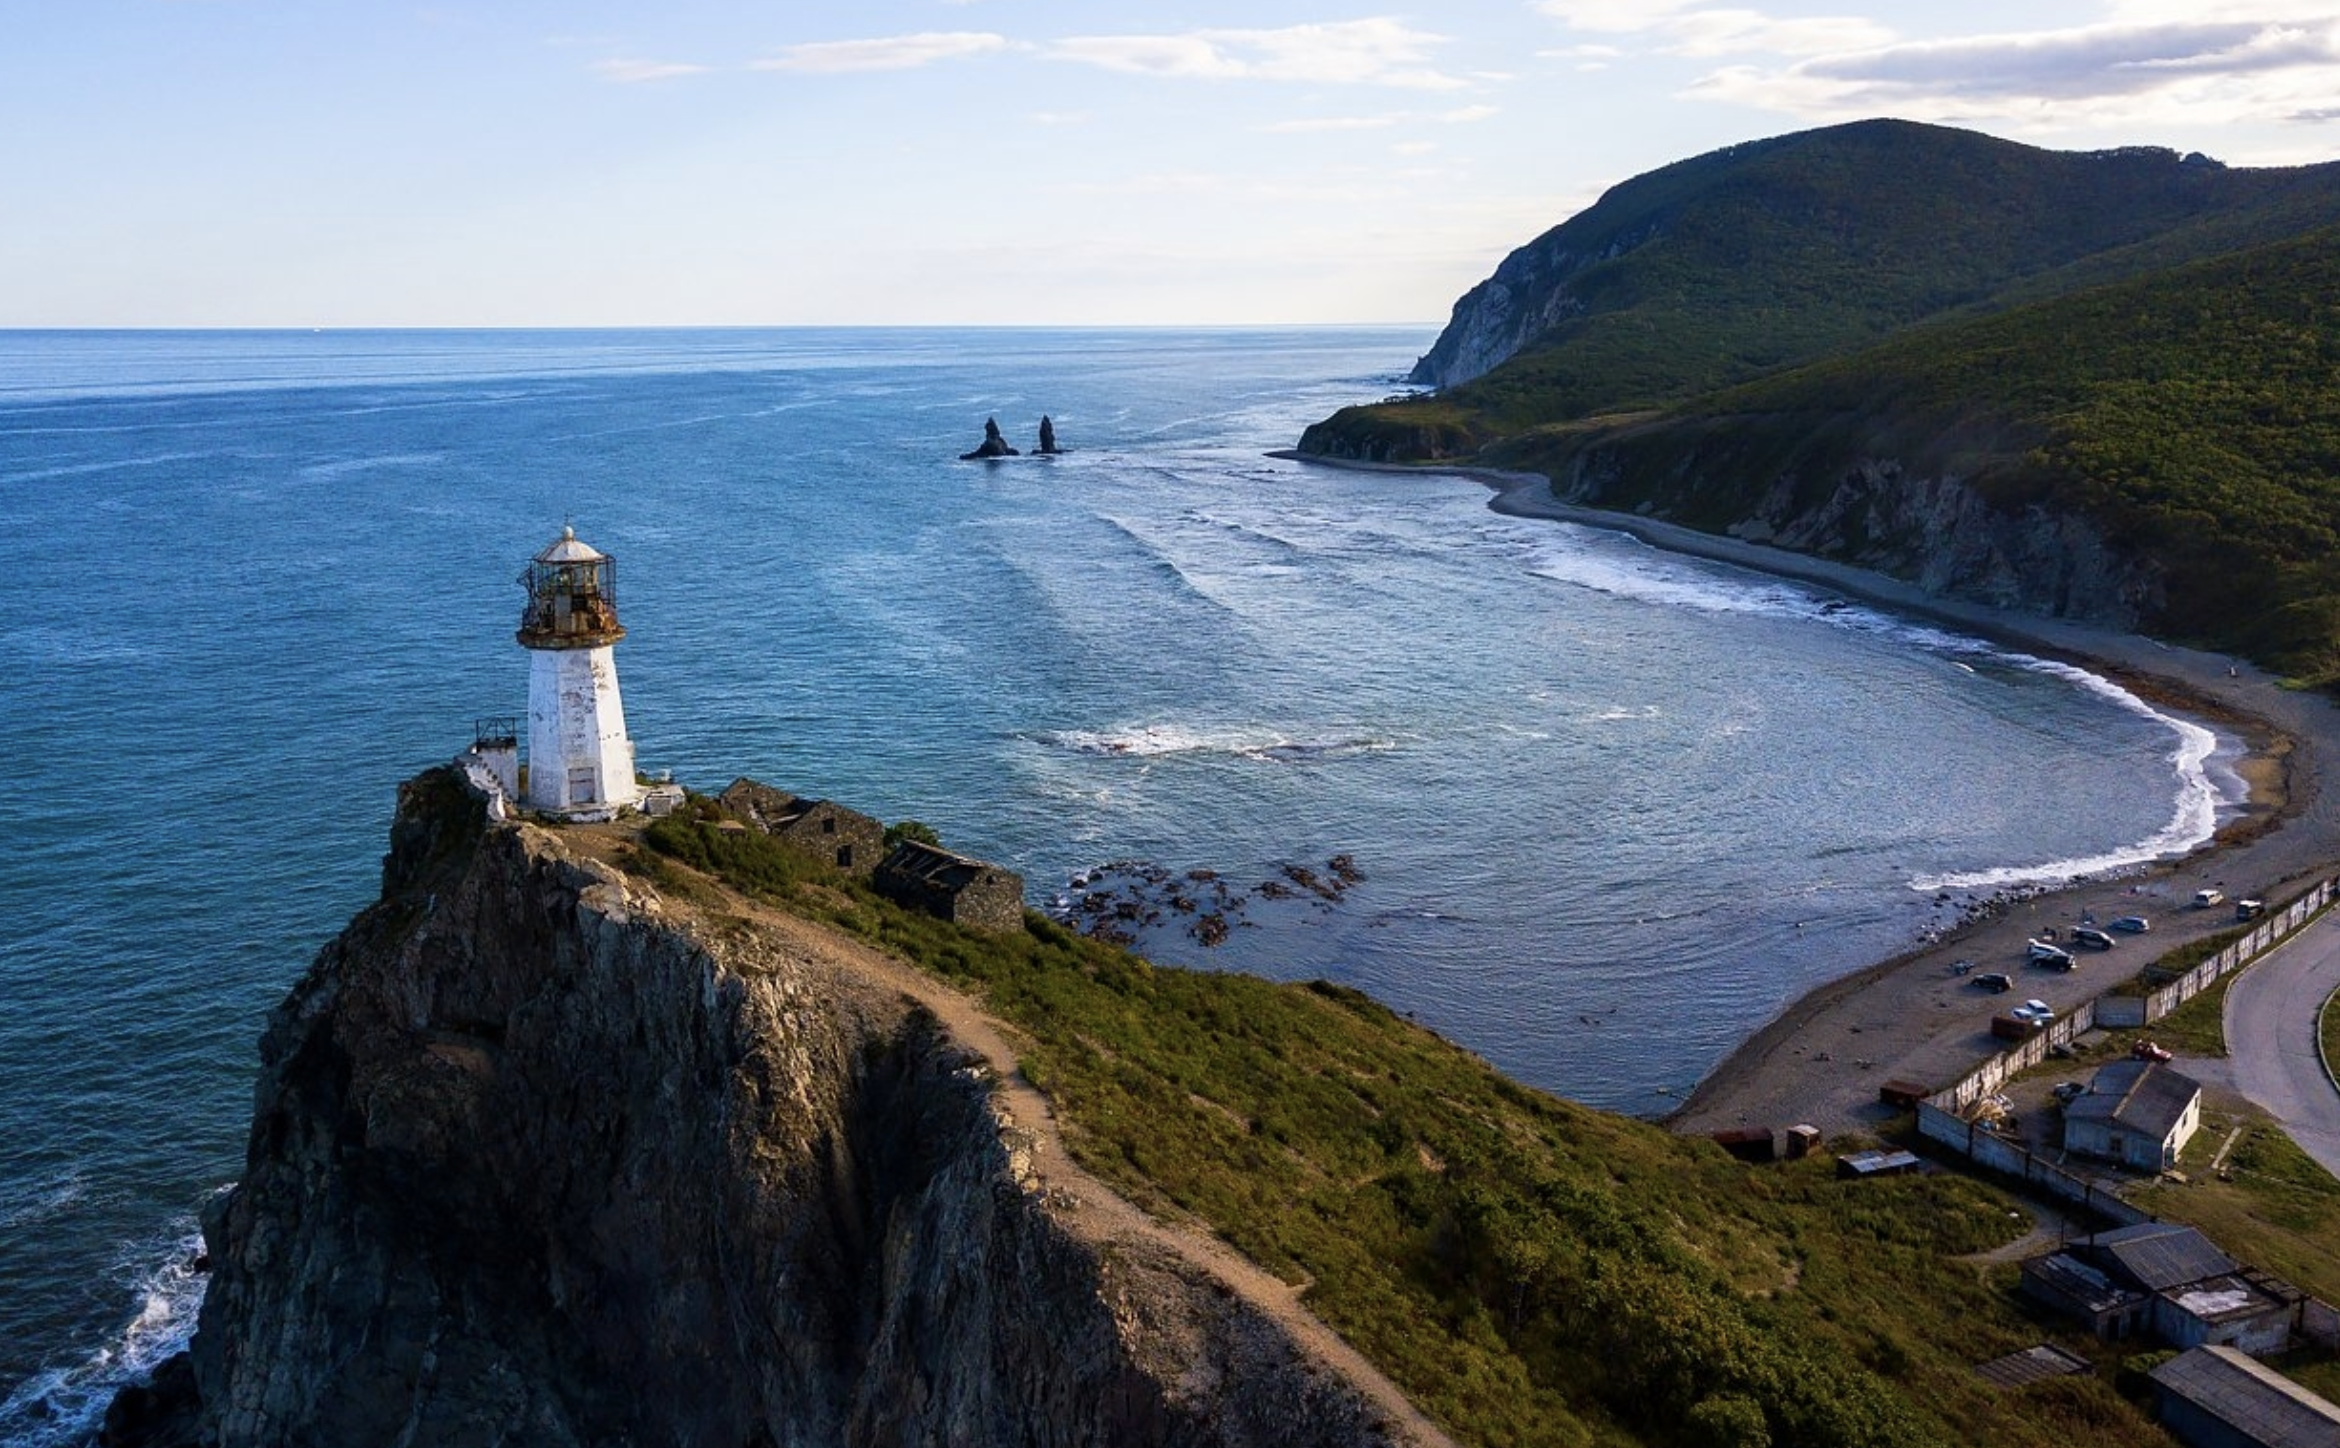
540, 1157
1921, 521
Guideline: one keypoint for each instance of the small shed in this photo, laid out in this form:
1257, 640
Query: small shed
2138, 1113
1748, 1143
1876, 1163
2217, 1397
965, 891
2063, 1283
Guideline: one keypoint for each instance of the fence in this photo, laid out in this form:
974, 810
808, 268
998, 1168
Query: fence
1940, 1116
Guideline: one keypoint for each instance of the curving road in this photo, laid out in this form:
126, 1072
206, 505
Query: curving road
2271, 1036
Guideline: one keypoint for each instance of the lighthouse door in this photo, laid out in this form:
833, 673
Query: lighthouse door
581, 786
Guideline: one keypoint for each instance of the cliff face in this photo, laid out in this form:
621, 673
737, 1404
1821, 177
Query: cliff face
1920, 523
537, 1159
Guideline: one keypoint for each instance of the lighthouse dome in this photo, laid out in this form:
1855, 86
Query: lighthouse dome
569, 548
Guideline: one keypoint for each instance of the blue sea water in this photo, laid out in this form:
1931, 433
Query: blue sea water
1611, 808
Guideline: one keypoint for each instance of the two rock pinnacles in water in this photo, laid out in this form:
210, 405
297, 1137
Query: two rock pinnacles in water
996, 446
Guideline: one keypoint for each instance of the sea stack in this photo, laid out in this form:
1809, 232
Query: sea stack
1048, 445
994, 445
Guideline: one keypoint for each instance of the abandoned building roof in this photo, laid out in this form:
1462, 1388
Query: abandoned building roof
2142, 1096
2260, 1403
934, 865
2221, 1299
2160, 1255
752, 797
2032, 1365
2080, 1283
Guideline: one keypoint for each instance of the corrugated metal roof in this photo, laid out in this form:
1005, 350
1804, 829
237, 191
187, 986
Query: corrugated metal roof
2080, 1283
2273, 1410
2141, 1096
2032, 1365
2160, 1255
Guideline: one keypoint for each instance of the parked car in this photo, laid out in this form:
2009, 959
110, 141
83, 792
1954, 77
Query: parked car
2134, 924
2204, 899
2149, 1051
2249, 909
2034, 1010
2090, 935
2054, 957
1998, 982
2070, 1090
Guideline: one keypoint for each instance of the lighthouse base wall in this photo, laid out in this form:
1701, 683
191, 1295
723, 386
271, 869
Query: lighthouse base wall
580, 761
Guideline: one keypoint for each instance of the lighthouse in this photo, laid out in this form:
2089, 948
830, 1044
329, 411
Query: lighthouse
580, 761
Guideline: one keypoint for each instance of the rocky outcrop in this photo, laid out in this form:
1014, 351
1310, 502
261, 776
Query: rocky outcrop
1529, 294
994, 444
1048, 447
538, 1158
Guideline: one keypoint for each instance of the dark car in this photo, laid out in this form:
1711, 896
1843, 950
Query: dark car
1995, 981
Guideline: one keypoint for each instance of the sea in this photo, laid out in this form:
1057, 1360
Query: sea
1592, 810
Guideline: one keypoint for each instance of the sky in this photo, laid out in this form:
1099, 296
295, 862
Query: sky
335, 163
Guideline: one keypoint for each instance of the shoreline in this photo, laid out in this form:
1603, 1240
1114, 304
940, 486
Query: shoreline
1821, 1057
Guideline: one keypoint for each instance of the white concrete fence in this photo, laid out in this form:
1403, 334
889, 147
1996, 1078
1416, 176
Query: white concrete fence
1940, 1116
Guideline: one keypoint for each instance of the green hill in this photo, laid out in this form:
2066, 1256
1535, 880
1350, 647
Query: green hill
2131, 344
2190, 418
1529, 1271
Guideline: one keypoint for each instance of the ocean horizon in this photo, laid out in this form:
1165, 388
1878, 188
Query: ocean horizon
1608, 809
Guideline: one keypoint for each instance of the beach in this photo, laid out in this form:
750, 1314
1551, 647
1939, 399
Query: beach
1916, 1017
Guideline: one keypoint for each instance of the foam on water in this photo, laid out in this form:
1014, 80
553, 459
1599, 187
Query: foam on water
2197, 799
1157, 741
63, 1406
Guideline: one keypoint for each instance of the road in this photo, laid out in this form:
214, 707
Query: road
2271, 1036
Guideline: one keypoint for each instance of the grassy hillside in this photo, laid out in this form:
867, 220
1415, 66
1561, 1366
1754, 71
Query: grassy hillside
2192, 415
1531, 1272
1731, 265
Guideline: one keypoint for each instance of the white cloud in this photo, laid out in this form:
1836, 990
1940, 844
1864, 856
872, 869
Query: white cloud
632, 72
1060, 118
2121, 75
894, 52
1740, 32
1464, 115
1711, 30
1332, 123
1619, 17
1378, 51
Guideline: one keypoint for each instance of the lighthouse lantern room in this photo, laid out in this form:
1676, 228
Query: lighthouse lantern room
580, 761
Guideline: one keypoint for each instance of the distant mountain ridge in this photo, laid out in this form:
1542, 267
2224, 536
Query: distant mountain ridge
1788, 247
2101, 385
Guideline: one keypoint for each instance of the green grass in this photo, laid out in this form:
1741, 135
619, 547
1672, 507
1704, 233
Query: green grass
2328, 1034
2278, 1210
1529, 1271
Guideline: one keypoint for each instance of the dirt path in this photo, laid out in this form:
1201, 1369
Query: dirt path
1096, 1211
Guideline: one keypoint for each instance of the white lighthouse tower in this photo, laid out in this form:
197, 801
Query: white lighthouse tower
580, 761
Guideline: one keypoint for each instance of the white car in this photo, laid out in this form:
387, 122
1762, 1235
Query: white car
2035, 1010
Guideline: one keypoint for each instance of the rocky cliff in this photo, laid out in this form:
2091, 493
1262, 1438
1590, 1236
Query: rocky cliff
1920, 519
539, 1157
